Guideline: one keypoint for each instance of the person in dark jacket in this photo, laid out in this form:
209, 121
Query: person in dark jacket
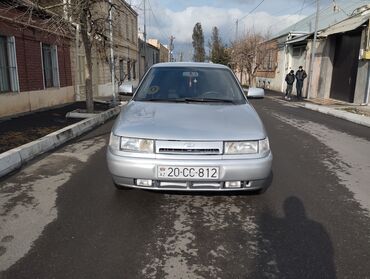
289, 78
300, 76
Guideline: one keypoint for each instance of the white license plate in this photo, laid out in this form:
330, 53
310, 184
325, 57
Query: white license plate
200, 173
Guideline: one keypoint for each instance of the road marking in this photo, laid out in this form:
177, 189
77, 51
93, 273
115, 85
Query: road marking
28, 200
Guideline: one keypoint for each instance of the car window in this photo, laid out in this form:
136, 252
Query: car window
177, 83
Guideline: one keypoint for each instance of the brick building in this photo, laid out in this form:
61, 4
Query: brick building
125, 47
35, 67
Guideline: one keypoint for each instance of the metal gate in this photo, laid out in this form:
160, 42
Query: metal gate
345, 66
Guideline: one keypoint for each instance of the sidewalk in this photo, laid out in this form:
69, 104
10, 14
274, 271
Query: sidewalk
358, 114
43, 131
19, 130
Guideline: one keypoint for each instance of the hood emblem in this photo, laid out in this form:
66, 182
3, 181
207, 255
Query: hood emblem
189, 145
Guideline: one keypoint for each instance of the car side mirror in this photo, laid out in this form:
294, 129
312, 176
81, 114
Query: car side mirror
254, 92
126, 89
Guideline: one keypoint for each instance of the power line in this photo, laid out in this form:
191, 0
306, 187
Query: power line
240, 19
157, 22
251, 11
231, 26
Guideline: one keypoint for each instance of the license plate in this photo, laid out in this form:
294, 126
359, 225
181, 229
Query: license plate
199, 173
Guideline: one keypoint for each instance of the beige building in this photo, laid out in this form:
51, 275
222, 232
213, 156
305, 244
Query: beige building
163, 51
125, 51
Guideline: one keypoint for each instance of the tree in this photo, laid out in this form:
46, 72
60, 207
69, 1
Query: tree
248, 53
198, 43
219, 53
92, 17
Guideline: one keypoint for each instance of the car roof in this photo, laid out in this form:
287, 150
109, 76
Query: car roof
190, 64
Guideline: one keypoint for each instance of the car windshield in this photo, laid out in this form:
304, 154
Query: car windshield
185, 84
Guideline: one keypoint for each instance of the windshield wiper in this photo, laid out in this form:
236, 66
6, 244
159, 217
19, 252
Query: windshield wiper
206, 100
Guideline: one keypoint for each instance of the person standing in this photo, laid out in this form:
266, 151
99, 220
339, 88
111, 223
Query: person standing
300, 76
289, 78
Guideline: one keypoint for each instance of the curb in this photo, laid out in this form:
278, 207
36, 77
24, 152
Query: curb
355, 118
13, 159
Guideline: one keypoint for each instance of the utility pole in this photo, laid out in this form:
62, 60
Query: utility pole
144, 35
313, 50
111, 52
171, 48
236, 29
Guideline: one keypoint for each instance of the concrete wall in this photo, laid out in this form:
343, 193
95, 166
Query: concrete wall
27, 101
326, 49
316, 69
105, 90
326, 70
362, 74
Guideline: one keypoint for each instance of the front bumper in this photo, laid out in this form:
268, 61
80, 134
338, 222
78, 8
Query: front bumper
254, 174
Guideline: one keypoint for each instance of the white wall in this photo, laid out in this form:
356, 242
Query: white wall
23, 102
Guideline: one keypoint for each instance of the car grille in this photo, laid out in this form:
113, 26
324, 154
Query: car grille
187, 150
193, 147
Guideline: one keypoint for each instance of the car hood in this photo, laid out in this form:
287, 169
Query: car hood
189, 121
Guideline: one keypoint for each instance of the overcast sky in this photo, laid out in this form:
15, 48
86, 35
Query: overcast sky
178, 17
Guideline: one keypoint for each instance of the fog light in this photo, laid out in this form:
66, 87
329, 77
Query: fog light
144, 182
233, 184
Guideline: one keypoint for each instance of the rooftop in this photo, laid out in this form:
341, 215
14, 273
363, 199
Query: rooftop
327, 17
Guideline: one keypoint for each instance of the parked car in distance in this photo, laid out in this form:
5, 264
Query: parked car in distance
255, 93
125, 89
189, 127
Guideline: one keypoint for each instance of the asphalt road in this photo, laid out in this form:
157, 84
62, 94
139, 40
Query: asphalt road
61, 217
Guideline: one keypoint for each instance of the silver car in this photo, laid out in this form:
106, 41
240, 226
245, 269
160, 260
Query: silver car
189, 127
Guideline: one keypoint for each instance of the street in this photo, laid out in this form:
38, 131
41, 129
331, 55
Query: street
61, 216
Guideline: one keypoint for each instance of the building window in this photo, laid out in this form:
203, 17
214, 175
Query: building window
269, 63
127, 30
120, 27
50, 65
133, 30
81, 69
121, 70
134, 70
128, 70
298, 51
8, 65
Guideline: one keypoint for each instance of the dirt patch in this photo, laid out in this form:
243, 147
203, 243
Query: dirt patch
23, 129
357, 111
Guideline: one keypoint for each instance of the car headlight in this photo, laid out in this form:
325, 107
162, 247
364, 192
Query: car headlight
241, 147
131, 144
137, 145
247, 147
